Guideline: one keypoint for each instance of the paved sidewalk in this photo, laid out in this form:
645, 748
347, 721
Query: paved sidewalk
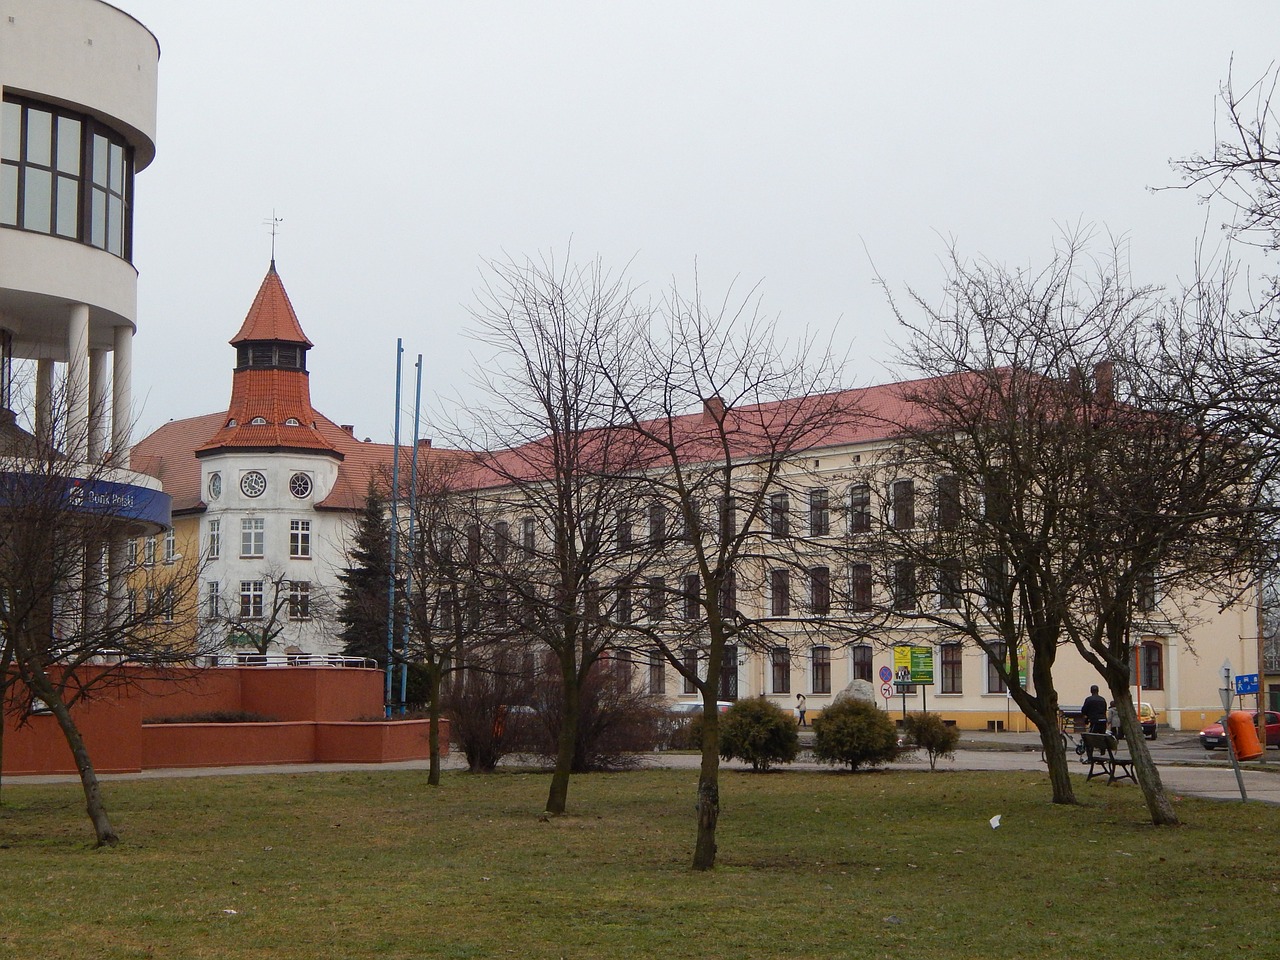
1183, 771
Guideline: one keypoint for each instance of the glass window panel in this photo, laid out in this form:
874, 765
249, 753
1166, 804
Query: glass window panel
37, 200
117, 168
10, 131
68, 206
39, 137
68, 145
8, 195
99, 160
98, 222
115, 225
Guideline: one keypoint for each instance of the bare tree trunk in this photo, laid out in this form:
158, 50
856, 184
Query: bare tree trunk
433, 723
1153, 792
558, 796
1055, 755
94, 805
708, 806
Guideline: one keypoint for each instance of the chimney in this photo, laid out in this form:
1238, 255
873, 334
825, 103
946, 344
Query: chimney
1104, 385
349, 428
424, 442
713, 410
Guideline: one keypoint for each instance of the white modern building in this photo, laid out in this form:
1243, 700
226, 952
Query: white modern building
77, 123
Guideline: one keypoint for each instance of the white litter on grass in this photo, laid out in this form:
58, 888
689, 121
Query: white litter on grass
995, 821
230, 911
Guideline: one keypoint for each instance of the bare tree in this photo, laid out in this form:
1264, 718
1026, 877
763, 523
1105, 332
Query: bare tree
556, 468
723, 409
69, 612
268, 605
1067, 482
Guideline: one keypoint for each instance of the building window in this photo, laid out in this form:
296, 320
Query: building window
692, 596
623, 607
170, 547
527, 535
995, 581
948, 502
167, 604
501, 540
996, 658
657, 673
904, 586
729, 595
657, 524
821, 669
779, 520
949, 579
65, 174
253, 536
656, 599
624, 530
131, 553
729, 673
299, 600
904, 504
820, 591
951, 673
149, 552
781, 664
251, 599
860, 662
1151, 665
473, 543
689, 658
215, 539
300, 539
859, 587
131, 605
1145, 592
300, 486
213, 599
859, 508
728, 517
780, 593
819, 513
149, 601
215, 486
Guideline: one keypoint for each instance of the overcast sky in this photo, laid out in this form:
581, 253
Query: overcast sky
793, 144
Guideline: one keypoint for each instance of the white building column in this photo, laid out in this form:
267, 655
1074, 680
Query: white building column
77, 383
121, 395
97, 404
44, 402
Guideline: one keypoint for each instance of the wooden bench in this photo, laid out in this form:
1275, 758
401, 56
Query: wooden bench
1100, 754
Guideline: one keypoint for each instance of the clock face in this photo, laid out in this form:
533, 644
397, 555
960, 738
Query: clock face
300, 485
215, 486
253, 484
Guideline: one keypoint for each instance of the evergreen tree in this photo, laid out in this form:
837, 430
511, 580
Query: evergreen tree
363, 603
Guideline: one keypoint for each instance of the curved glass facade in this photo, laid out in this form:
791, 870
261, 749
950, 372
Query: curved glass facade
65, 174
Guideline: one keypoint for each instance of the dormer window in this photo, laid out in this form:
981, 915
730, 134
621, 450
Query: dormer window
293, 422
232, 422
258, 422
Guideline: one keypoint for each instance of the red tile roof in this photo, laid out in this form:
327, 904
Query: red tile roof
271, 316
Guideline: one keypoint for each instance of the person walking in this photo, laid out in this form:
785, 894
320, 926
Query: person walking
800, 707
1113, 722
1095, 711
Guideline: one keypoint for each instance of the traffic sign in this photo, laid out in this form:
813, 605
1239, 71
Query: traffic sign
886, 690
1246, 683
886, 674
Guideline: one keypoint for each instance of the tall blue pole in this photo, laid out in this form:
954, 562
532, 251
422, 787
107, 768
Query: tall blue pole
413, 517
395, 527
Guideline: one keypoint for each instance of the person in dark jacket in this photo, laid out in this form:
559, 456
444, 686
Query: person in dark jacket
1095, 711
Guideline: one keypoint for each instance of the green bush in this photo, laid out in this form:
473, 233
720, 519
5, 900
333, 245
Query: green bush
854, 732
930, 733
760, 732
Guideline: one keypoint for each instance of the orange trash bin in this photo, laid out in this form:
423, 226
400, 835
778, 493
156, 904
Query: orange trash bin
1244, 736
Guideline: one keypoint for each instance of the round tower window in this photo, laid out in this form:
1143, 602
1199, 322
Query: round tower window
253, 484
300, 485
215, 486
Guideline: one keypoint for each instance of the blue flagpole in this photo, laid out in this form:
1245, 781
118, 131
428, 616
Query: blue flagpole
395, 525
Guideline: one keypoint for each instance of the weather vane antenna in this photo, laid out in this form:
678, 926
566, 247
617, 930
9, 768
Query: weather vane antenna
274, 224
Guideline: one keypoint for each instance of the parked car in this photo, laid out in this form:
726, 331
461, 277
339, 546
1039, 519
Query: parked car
1147, 717
686, 708
1212, 736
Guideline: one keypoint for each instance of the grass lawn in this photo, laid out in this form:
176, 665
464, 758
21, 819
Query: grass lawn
900, 865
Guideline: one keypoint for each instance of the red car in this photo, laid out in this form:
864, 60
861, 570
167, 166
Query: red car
1211, 737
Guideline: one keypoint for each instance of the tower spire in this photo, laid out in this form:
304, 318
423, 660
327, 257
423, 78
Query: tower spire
274, 222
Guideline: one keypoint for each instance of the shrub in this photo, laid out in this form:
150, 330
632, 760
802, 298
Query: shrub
615, 721
488, 719
854, 732
930, 733
760, 732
